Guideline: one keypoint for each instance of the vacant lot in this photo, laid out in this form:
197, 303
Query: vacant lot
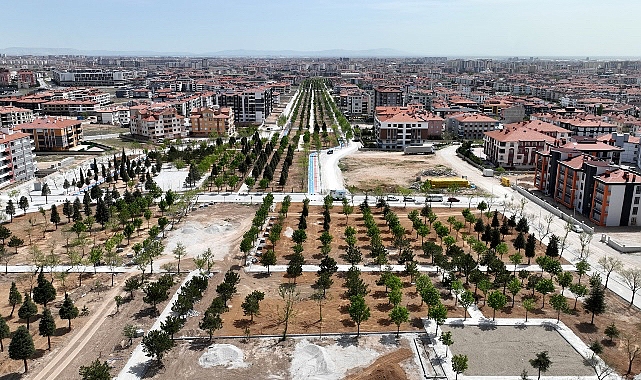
505, 351
387, 170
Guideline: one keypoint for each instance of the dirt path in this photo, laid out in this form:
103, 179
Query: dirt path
67, 355
387, 367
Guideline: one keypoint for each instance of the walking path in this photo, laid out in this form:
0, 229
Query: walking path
139, 361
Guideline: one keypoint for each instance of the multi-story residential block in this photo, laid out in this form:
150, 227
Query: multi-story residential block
156, 122
114, 116
207, 122
355, 103
575, 181
587, 127
17, 161
53, 134
471, 126
91, 77
251, 106
629, 144
388, 96
616, 198
70, 107
398, 127
11, 116
514, 146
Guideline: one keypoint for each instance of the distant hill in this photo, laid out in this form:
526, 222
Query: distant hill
222, 53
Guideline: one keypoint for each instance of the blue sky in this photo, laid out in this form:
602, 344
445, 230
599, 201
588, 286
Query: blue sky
422, 27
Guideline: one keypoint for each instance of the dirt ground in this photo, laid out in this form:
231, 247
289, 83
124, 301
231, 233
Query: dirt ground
86, 295
102, 129
387, 367
506, 350
339, 221
387, 170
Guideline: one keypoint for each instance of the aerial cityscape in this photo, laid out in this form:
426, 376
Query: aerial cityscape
396, 190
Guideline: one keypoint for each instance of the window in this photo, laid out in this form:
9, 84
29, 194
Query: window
636, 200
635, 210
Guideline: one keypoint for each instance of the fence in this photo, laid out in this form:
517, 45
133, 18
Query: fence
552, 209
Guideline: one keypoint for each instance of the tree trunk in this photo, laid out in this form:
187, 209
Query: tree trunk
358, 330
69, 325
26, 368
49, 342
1, 346
12, 309
526, 315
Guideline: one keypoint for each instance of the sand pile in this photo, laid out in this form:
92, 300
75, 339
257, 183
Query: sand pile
311, 361
226, 355
289, 232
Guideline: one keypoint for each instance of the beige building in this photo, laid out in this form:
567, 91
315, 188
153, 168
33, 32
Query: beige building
53, 134
206, 122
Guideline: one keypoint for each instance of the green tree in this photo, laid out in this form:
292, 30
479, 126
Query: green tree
5, 332
97, 370
542, 362
467, 300
47, 326
68, 311
21, 346
54, 217
156, 343
43, 292
358, 312
544, 286
496, 300
10, 209
459, 364
23, 203
179, 252
612, 332
251, 305
559, 303
398, 315
530, 247
268, 259
172, 325
45, 191
446, 339
28, 309
438, 313
514, 286
595, 302
15, 298
528, 305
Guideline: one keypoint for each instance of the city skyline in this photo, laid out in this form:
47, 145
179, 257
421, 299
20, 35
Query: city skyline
470, 28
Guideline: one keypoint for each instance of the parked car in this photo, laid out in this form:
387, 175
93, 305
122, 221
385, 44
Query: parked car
577, 228
391, 198
331, 151
452, 199
408, 199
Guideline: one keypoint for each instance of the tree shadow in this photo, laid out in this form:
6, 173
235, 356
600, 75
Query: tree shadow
586, 328
146, 312
384, 321
347, 340
261, 275
416, 322
379, 294
414, 308
242, 323
11, 376
384, 307
388, 340
487, 326
60, 331
348, 322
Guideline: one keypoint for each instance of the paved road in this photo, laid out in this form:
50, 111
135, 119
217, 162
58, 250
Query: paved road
331, 176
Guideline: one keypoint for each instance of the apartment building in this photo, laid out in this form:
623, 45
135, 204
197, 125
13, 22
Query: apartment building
629, 144
114, 116
355, 103
218, 121
575, 181
514, 146
91, 77
471, 126
70, 107
616, 198
398, 127
53, 134
17, 160
11, 116
388, 96
251, 105
587, 127
156, 122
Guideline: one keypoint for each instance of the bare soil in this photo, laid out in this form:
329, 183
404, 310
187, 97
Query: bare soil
387, 367
368, 170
